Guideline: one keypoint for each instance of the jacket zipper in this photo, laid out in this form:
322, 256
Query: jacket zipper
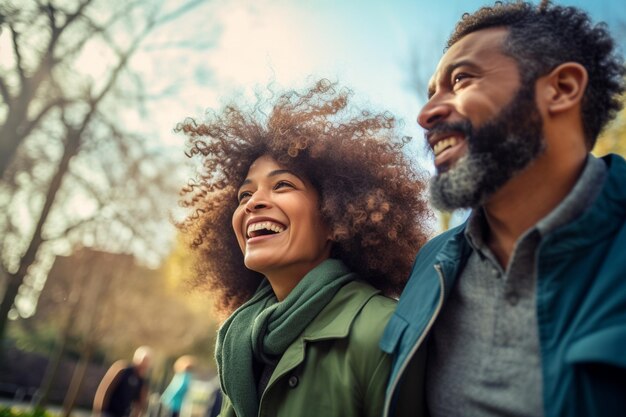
419, 341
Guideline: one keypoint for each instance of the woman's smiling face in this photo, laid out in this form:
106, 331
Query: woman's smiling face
278, 222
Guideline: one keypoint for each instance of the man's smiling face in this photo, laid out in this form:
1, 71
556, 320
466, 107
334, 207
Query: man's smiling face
482, 125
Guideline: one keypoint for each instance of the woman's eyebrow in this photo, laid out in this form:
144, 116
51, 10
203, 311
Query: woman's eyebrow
281, 171
272, 174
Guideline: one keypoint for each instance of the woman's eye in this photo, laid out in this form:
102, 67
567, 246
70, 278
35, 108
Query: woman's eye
244, 195
282, 184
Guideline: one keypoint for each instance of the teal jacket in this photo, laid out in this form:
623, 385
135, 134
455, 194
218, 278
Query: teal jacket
335, 367
581, 310
175, 392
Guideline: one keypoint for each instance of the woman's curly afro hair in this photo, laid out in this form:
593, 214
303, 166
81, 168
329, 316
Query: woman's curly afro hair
371, 196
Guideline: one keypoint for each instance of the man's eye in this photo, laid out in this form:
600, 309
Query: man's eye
457, 78
244, 195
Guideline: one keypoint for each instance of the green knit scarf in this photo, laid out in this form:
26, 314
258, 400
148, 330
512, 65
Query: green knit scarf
263, 328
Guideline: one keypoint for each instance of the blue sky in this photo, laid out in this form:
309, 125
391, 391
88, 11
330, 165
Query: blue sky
375, 47
367, 45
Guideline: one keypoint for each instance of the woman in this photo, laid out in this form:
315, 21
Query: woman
326, 213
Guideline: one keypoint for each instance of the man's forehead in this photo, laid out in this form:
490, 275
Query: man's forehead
473, 47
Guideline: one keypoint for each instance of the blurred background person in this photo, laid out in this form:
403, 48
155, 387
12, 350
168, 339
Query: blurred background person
174, 394
123, 391
216, 405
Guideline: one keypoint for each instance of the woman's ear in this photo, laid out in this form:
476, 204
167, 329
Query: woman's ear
563, 88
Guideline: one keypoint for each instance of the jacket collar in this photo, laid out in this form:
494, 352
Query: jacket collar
333, 322
452, 257
598, 221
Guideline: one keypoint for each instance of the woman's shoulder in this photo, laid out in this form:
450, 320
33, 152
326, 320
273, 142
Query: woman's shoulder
369, 364
358, 311
370, 322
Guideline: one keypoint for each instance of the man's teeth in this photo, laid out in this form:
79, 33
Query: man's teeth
444, 144
273, 227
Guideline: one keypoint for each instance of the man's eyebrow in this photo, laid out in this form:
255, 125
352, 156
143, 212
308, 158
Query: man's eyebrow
448, 70
431, 90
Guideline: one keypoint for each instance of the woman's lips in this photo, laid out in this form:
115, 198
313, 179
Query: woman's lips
261, 238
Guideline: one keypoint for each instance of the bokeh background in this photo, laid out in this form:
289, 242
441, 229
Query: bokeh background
90, 92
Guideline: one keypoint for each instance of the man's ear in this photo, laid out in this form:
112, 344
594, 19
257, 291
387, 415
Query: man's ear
563, 88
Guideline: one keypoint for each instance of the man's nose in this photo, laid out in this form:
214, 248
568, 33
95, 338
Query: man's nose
433, 112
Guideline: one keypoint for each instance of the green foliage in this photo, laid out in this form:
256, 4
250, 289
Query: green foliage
23, 412
613, 139
30, 338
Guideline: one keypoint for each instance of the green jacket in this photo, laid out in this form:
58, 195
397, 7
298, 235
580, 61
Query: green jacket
335, 367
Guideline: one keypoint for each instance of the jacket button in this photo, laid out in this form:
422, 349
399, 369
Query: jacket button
513, 298
293, 381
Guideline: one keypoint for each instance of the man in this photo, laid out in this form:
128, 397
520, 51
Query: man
521, 311
123, 391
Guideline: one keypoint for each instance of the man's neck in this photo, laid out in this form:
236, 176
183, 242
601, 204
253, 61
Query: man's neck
526, 199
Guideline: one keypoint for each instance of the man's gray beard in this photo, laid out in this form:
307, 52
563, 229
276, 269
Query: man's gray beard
475, 177
461, 186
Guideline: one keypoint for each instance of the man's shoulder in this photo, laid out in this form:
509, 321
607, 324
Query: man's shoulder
617, 171
118, 368
430, 250
122, 371
443, 237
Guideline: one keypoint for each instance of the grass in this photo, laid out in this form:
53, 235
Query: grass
23, 412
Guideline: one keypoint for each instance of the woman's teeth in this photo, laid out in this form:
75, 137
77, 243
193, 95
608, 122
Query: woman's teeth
263, 226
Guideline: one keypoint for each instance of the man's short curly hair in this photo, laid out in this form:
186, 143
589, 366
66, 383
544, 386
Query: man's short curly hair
542, 37
371, 196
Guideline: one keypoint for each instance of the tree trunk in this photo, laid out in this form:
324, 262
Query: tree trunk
10, 141
51, 372
53, 365
16, 279
77, 379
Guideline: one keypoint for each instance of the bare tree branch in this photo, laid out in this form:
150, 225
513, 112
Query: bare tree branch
71, 228
4, 90
50, 11
18, 54
195, 44
100, 29
73, 16
185, 8
123, 61
34, 122
48, 59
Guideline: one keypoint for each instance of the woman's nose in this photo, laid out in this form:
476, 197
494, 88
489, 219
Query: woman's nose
257, 201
